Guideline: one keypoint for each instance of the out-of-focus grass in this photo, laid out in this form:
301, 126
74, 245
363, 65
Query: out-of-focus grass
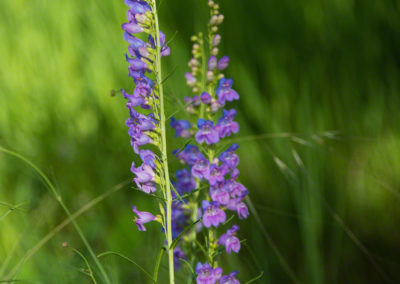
301, 67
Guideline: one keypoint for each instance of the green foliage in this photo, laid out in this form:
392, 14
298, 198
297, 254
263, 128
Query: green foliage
319, 83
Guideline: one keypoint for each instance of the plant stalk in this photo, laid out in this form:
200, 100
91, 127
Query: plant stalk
164, 152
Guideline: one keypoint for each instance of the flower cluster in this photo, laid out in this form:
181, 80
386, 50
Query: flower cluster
209, 181
144, 128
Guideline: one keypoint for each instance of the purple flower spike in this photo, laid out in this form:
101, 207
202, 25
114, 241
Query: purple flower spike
226, 126
223, 63
142, 218
181, 127
229, 240
212, 63
212, 214
207, 133
206, 274
225, 91
229, 279
205, 98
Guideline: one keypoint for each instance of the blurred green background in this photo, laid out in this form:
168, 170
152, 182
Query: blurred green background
320, 140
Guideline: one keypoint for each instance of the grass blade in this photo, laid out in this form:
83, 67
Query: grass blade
175, 242
157, 267
61, 202
127, 259
255, 278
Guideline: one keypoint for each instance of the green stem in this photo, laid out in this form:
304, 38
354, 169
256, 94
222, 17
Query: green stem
164, 159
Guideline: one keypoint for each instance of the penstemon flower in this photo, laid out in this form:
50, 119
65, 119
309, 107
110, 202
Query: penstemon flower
209, 181
147, 121
205, 193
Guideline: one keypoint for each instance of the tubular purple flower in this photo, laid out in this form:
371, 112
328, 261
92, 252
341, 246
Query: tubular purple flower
212, 214
230, 241
132, 28
201, 168
216, 174
219, 194
205, 98
242, 210
190, 155
223, 63
225, 125
181, 127
136, 64
229, 158
225, 92
137, 7
212, 63
206, 274
142, 218
207, 133
229, 279
147, 157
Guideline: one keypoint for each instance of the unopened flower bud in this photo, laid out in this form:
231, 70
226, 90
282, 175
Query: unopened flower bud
214, 51
210, 76
214, 20
220, 19
216, 40
214, 29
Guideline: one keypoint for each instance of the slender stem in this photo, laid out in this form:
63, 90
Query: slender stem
166, 183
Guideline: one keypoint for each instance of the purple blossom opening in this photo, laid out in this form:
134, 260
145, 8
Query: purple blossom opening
230, 241
229, 158
205, 98
201, 169
229, 279
216, 174
225, 92
226, 126
206, 274
142, 218
212, 214
207, 133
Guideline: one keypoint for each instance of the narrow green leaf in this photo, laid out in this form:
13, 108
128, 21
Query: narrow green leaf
159, 258
177, 194
127, 259
151, 195
255, 278
175, 242
191, 193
